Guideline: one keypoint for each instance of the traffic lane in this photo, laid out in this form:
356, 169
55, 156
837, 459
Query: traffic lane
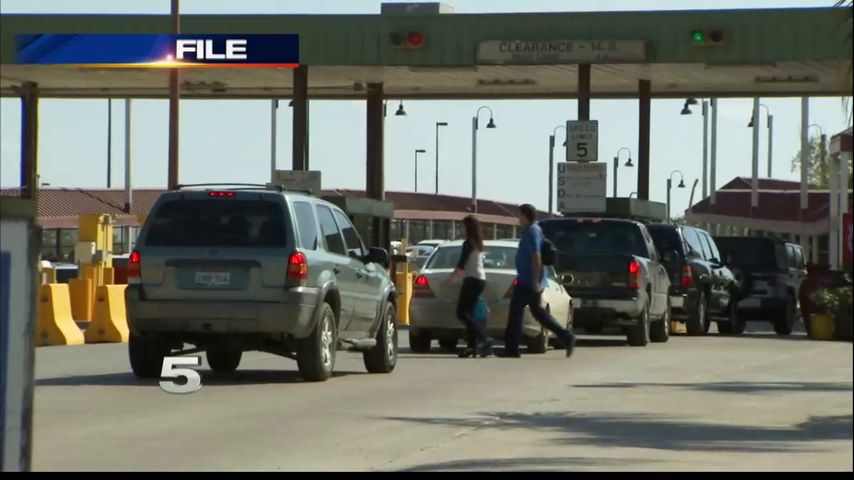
693, 403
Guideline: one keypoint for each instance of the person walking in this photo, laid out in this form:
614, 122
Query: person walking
529, 290
470, 267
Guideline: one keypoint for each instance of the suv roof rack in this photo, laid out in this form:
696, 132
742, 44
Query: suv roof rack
236, 186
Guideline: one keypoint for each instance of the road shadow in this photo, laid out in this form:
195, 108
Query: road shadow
528, 464
736, 387
209, 378
641, 430
600, 342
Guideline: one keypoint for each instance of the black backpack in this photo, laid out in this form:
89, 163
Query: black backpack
548, 253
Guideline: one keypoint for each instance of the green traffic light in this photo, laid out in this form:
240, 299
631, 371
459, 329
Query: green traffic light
698, 36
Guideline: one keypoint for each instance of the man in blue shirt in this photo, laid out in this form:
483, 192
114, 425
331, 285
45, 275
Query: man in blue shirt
529, 291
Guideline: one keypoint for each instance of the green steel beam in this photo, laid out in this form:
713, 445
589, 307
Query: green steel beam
752, 36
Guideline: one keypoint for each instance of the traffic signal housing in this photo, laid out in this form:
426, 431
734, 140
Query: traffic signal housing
406, 40
707, 38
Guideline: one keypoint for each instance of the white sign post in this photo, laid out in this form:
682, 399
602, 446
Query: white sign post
582, 141
581, 187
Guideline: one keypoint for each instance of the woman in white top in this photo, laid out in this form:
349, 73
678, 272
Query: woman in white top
470, 267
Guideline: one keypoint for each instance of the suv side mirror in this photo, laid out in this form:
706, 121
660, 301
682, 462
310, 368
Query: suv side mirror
377, 255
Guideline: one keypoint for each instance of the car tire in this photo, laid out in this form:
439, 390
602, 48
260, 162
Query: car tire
419, 341
383, 357
448, 344
698, 320
785, 321
735, 325
316, 353
146, 355
224, 361
638, 335
659, 331
538, 344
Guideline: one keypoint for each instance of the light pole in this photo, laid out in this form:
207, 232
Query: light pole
670, 186
770, 122
438, 124
822, 151
628, 164
417, 151
474, 127
686, 110
552, 164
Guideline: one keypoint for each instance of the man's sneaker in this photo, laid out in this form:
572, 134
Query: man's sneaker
570, 345
484, 349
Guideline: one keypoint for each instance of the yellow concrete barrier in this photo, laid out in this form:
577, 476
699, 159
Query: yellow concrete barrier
82, 298
56, 325
48, 275
109, 276
110, 321
403, 280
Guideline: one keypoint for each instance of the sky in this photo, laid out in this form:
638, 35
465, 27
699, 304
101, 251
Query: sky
230, 140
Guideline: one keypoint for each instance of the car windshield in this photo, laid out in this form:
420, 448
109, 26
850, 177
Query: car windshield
748, 253
217, 223
574, 237
494, 257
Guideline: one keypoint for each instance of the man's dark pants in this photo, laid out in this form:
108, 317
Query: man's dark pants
527, 297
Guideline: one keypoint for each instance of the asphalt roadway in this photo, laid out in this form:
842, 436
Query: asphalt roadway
755, 402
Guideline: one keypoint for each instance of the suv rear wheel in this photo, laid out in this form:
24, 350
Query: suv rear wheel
638, 335
146, 355
224, 361
316, 353
735, 325
698, 322
419, 341
785, 321
383, 357
660, 330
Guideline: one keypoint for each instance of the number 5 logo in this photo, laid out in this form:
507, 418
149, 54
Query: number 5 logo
169, 373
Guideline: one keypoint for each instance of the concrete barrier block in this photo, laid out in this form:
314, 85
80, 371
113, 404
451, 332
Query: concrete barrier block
55, 323
109, 324
82, 298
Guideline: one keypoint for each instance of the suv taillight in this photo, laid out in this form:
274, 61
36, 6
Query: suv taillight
421, 288
297, 267
510, 290
687, 276
634, 274
135, 268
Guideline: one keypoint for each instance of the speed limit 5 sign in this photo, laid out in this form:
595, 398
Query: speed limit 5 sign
582, 141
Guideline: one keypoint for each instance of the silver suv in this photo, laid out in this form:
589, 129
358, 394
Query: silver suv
257, 268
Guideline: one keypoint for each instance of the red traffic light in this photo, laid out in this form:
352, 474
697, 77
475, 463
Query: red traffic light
408, 40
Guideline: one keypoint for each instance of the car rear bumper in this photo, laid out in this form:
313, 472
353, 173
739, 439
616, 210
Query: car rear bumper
760, 308
682, 302
441, 316
608, 312
294, 315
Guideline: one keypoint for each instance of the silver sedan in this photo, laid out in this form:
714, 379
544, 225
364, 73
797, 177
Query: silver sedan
432, 311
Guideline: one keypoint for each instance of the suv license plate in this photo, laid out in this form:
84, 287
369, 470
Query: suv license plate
213, 279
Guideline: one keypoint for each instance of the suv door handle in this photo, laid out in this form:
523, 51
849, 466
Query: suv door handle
336, 270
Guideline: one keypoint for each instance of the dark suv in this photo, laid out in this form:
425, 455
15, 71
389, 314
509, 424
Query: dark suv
702, 287
770, 271
257, 269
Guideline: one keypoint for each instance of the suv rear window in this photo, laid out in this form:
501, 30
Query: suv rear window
603, 237
218, 223
666, 239
749, 253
